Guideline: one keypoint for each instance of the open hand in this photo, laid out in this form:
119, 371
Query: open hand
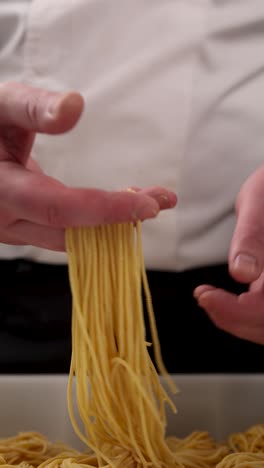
35, 208
243, 315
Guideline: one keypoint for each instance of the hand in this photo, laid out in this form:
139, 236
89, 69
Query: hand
242, 315
34, 208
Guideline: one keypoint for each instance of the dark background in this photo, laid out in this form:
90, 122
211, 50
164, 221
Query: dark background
35, 322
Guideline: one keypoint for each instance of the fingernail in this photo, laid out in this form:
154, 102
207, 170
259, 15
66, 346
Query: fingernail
247, 265
173, 199
164, 201
53, 105
145, 212
202, 299
199, 290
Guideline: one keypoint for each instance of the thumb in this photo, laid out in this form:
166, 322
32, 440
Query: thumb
38, 110
246, 256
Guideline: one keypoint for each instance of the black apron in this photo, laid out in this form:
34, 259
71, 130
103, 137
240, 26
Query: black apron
35, 322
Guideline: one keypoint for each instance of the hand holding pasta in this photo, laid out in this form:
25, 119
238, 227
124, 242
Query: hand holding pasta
243, 315
35, 209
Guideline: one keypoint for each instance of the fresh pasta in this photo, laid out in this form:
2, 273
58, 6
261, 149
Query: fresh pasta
123, 409
251, 441
116, 401
198, 450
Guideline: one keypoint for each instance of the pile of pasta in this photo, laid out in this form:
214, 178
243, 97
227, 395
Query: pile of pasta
116, 401
243, 450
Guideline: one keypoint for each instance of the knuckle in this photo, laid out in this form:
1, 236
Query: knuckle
6, 218
32, 110
254, 241
54, 216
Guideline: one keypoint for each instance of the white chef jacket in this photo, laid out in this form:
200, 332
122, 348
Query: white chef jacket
174, 96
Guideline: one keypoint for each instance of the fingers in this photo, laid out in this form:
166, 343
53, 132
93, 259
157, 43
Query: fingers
42, 200
165, 198
26, 233
52, 238
39, 110
246, 256
242, 316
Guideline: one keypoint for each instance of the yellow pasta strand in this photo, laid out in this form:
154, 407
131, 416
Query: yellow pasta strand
116, 401
124, 404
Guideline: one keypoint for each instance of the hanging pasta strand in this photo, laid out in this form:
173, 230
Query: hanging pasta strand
116, 401
125, 400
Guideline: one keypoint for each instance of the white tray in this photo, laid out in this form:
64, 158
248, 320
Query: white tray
219, 404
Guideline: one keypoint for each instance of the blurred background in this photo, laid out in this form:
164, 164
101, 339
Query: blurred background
35, 307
